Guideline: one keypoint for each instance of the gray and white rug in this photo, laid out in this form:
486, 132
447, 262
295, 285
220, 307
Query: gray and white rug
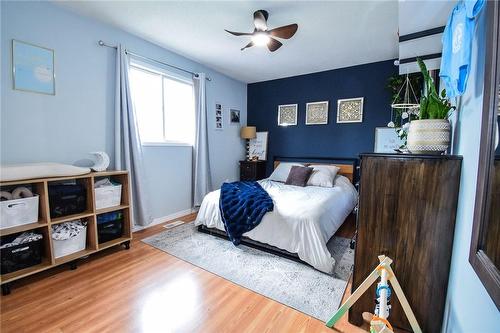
291, 283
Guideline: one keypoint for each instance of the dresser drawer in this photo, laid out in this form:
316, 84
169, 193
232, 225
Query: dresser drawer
247, 172
252, 170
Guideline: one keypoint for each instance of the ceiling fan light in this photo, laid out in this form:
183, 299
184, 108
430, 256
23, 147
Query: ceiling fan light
261, 39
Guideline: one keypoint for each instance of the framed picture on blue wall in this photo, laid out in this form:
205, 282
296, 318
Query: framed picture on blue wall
317, 113
287, 114
33, 68
350, 110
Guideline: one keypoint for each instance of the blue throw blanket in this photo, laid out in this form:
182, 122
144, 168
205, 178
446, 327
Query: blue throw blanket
242, 206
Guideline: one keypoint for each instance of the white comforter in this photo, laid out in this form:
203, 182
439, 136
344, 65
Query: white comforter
302, 222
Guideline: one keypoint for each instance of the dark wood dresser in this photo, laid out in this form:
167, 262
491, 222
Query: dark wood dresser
407, 208
252, 170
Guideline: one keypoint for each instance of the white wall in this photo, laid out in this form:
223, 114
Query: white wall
79, 118
469, 308
416, 16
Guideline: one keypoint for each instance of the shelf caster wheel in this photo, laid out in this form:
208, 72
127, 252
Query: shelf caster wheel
73, 265
6, 289
127, 245
352, 243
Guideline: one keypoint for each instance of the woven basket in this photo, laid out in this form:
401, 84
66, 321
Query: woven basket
429, 136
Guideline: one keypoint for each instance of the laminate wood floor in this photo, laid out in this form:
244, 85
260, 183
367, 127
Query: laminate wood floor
146, 290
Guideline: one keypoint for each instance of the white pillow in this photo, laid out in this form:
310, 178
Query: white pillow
323, 175
280, 174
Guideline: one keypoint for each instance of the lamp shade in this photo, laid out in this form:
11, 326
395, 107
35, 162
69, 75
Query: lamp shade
248, 132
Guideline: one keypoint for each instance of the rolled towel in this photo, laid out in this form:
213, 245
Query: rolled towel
4, 195
21, 192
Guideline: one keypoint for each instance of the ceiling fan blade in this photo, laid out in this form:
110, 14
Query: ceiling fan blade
247, 46
273, 44
239, 33
285, 32
260, 20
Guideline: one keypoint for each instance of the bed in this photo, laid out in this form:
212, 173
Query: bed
303, 219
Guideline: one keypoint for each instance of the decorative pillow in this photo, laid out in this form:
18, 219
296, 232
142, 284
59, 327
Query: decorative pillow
323, 175
280, 174
298, 175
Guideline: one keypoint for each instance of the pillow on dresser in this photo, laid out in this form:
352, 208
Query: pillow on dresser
298, 175
280, 174
323, 175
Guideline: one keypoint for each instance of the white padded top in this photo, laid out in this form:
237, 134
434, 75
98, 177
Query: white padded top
39, 170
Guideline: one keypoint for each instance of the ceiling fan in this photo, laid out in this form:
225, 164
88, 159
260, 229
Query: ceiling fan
262, 36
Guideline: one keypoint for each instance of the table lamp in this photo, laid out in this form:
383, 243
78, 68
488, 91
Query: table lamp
247, 133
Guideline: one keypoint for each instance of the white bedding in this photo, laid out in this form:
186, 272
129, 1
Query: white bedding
302, 222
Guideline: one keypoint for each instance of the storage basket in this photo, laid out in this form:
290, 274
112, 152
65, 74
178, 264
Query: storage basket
18, 212
109, 226
68, 246
67, 199
108, 196
20, 256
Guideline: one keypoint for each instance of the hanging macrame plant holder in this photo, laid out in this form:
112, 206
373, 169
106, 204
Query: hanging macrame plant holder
408, 104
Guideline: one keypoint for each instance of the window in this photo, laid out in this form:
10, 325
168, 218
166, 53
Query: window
164, 106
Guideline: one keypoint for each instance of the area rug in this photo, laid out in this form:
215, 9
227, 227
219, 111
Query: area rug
294, 284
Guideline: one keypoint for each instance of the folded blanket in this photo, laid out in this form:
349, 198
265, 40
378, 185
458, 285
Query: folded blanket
242, 206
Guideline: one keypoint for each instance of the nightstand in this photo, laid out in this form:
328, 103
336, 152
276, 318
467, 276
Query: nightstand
252, 170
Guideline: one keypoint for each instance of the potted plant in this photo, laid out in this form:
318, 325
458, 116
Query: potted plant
431, 133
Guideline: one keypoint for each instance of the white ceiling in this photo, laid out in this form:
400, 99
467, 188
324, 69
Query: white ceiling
331, 34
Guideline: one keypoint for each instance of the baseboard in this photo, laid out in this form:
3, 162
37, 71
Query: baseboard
163, 219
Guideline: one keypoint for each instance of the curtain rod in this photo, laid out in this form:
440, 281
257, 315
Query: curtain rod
101, 43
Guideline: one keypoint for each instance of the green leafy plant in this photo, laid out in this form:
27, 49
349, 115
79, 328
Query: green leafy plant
432, 105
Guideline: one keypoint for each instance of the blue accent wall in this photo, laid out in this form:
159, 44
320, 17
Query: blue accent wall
331, 140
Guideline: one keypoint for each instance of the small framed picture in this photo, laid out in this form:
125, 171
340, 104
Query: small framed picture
33, 68
234, 116
350, 110
219, 124
287, 114
386, 140
258, 146
317, 113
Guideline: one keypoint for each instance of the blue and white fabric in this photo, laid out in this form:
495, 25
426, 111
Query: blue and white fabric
242, 206
457, 44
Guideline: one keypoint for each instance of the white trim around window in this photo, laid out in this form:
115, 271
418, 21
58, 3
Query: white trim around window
165, 139
166, 144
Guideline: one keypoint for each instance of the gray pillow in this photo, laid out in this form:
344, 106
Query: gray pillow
282, 171
298, 175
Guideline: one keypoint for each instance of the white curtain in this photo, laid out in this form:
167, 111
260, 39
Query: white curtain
128, 148
202, 183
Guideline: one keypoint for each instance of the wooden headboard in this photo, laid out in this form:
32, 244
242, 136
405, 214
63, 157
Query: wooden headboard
347, 168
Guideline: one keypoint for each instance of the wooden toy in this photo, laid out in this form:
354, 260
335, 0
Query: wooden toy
379, 322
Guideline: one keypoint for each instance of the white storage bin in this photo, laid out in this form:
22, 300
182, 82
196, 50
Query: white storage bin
108, 196
18, 212
68, 246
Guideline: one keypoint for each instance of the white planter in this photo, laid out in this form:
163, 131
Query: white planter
18, 212
429, 136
